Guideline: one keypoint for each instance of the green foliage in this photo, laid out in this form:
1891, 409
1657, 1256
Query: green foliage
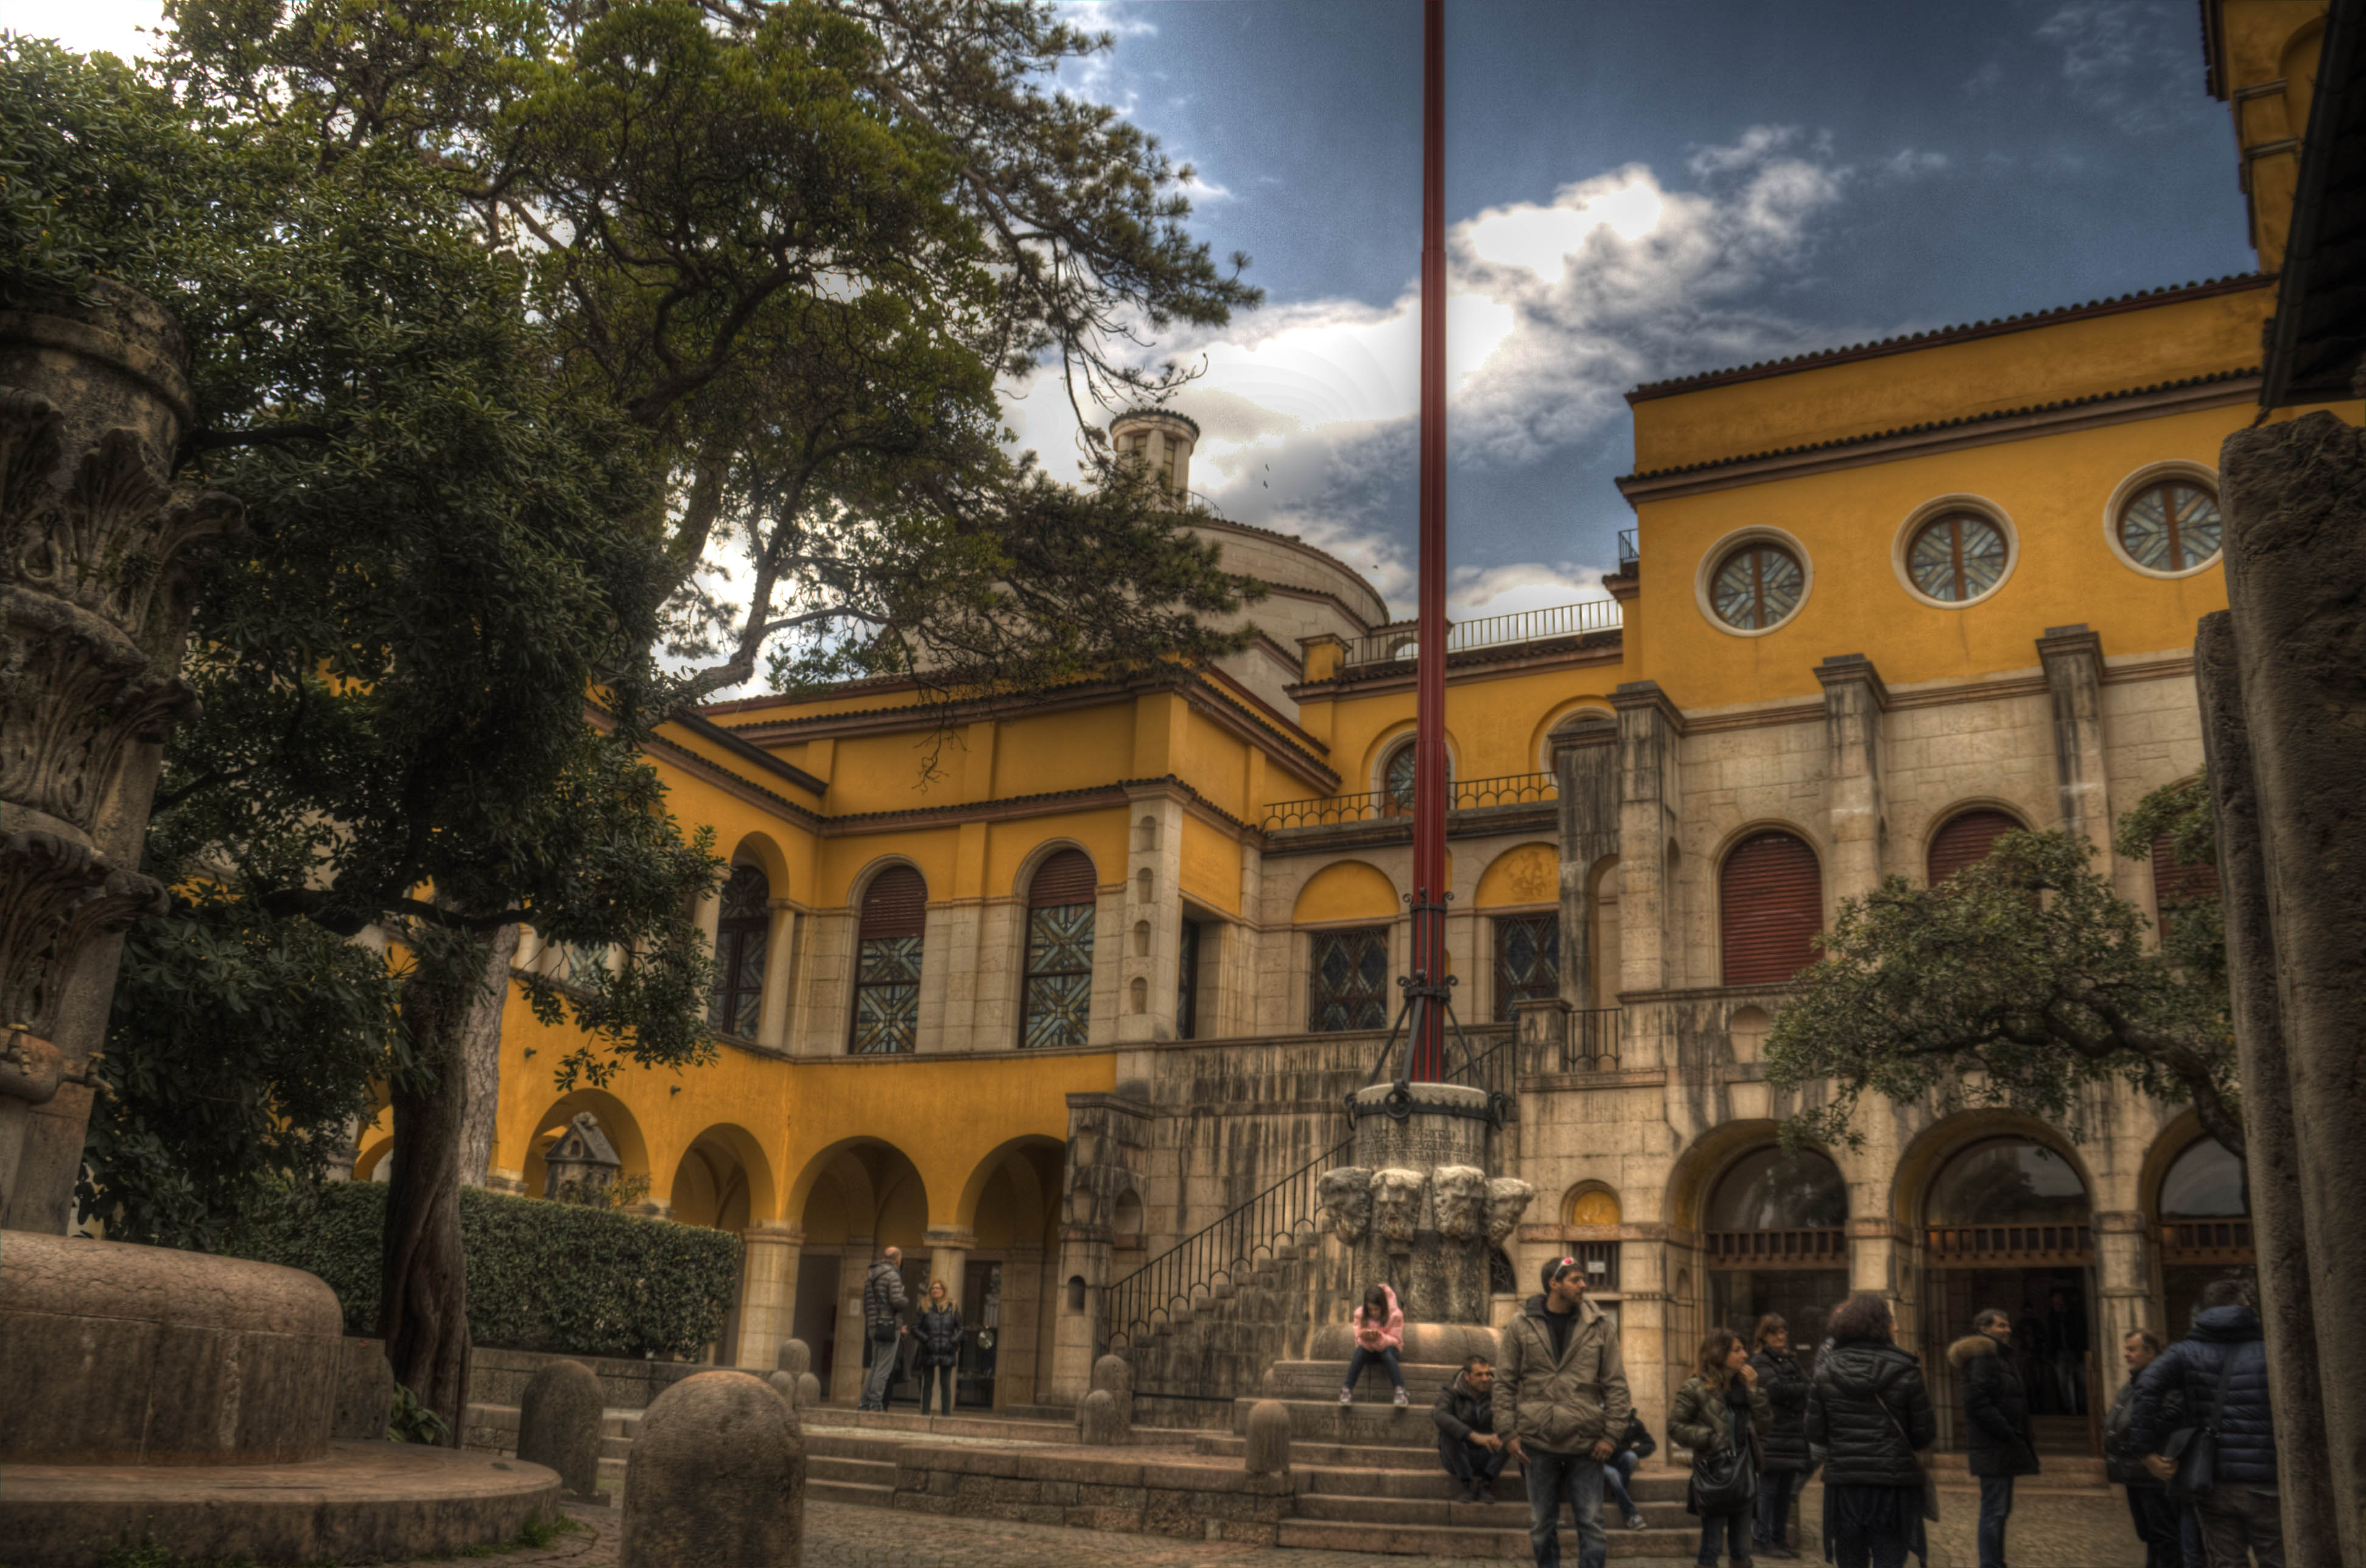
542, 1276
240, 1048
2022, 981
409, 1421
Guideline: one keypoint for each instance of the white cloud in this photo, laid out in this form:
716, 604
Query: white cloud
1473, 591
89, 26
2128, 59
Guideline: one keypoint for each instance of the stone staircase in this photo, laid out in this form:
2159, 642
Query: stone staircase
1367, 1477
1218, 1348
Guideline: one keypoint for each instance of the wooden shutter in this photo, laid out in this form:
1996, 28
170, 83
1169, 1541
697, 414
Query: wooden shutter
1066, 878
1772, 894
896, 903
1965, 840
2173, 884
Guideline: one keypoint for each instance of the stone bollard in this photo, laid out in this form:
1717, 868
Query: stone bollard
365, 1392
785, 1385
1114, 1376
1269, 1439
717, 1479
808, 1390
1099, 1425
559, 1419
796, 1358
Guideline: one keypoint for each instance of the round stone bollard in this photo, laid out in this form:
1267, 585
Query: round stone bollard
559, 1419
796, 1358
1112, 1376
1098, 1424
717, 1479
785, 1385
808, 1390
1269, 1439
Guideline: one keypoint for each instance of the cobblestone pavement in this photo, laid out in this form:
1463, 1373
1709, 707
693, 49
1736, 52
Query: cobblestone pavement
2058, 1530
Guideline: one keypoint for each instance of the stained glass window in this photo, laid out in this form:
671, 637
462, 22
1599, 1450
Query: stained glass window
1349, 986
1756, 587
741, 937
1397, 780
2171, 527
1527, 959
1059, 999
887, 963
1957, 558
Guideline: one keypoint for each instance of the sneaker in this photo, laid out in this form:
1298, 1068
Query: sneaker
1403, 1398
1637, 1521
1347, 1396
1480, 1492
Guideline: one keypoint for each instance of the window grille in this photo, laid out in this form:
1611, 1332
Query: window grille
1060, 911
1527, 959
1349, 989
741, 937
887, 963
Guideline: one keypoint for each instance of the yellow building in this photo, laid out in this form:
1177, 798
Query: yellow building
1041, 998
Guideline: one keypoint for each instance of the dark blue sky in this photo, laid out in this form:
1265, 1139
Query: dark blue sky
1775, 178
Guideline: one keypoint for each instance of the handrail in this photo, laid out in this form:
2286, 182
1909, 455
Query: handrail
1382, 805
1221, 1249
1394, 645
1630, 553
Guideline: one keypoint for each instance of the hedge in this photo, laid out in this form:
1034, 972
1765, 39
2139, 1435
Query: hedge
542, 1275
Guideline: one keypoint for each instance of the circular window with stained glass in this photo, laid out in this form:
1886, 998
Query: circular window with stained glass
2171, 527
1757, 586
1956, 558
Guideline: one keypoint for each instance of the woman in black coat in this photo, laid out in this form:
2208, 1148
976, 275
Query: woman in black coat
1868, 1412
1784, 1469
940, 1334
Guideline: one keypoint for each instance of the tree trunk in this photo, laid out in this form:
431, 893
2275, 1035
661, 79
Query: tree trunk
481, 1056
423, 1301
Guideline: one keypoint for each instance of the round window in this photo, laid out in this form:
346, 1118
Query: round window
1957, 557
1757, 586
1397, 777
2172, 526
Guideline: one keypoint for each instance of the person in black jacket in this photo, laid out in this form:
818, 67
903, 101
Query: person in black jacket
1868, 1412
1996, 1409
1783, 1471
2222, 1370
1635, 1446
2152, 1510
1467, 1444
940, 1336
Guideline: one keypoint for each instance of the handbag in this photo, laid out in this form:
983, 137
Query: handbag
2194, 1450
1930, 1487
1725, 1481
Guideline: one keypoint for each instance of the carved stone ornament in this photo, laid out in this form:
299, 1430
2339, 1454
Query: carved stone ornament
1396, 1204
1458, 1194
1508, 1200
55, 896
1343, 1202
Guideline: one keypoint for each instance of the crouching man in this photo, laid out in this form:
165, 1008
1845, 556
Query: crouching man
1467, 1443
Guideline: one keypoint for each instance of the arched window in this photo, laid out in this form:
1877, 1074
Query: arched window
1770, 896
887, 963
2171, 526
1965, 840
1527, 959
740, 939
1059, 996
2205, 1227
1775, 1238
2007, 1202
1396, 782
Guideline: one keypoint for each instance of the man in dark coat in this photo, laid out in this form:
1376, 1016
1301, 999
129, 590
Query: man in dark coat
2221, 1370
1784, 1469
1467, 1444
883, 1325
2150, 1507
1996, 1411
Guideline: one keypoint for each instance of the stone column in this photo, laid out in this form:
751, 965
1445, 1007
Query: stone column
2073, 657
1016, 1336
1651, 948
2123, 1272
1585, 767
93, 610
768, 1292
1108, 1134
1153, 920
846, 1367
1854, 699
780, 973
949, 1249
1076, 1339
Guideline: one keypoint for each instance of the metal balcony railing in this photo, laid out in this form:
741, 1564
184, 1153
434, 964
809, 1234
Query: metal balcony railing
1630, 554
1816, 1247
1394, 644
2009, 1245
1378, 805
1592, 1042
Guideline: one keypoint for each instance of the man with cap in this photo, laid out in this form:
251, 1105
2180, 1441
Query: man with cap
1561, 1403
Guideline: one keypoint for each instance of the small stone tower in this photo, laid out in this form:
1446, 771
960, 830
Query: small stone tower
1161, 440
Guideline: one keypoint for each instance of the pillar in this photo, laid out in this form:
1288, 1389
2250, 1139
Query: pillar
768, 1292
1585, 769
949, 1249
1016, 1336
1651, 950
2073, 657
780, 966
1854, 699
846, 1366
1076, 1339
1107, 1137
2123, 1272
1151, 954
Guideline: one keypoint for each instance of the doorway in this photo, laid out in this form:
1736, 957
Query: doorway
981, 1335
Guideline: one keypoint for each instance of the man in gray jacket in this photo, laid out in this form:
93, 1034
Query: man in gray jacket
882, 1325
1561, 1403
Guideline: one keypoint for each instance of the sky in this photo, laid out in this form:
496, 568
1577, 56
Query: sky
1634, 192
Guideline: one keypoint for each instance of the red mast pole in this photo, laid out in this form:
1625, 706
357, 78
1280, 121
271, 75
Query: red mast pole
1426, 1057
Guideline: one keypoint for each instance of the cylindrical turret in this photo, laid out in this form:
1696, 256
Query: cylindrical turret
1161, 441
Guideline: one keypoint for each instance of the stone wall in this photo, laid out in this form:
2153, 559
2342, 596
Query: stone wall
1166, 1495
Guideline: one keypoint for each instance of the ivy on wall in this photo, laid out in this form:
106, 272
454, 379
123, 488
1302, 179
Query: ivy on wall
542, 1276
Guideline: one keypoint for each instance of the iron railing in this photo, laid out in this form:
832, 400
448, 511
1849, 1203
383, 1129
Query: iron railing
1394, 644
1592, 1042
1817, 1247
1224, 1251
1630, 554
2206, 1242
2001, 1246
1381, 805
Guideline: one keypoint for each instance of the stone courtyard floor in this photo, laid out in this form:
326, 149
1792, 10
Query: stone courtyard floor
2050, 1529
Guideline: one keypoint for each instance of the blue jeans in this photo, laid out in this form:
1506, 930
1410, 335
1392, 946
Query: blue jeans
1386, 1356
1616, 1474
1576, 1479
1995, 1506
1775, 1491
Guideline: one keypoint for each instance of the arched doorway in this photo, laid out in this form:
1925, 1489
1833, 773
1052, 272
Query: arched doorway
1775, 1238
866, 1197
1005, 1286
2008, 1224
2205, 1211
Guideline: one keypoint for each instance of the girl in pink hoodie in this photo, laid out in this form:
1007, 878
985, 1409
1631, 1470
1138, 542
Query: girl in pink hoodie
1379, 1334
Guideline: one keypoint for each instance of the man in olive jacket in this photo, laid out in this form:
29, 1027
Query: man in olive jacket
1561, 1403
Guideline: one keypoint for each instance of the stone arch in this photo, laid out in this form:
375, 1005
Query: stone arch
622, 1128
1921, 1160
2169, 1145
731, 1179
1591, 1202
1525, 874
1032, 862
1937, 822
1024, 1160
1697, 1168
862, 879
372, 1153
1385, 745
760, 849
1347, 890
861, 1186
1561, 719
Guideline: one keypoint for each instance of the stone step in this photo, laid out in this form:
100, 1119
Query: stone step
1348, 1456
1433, 1485
1398, 1512
1322, 1380
1377, 1425
842, 1467
858, 1494
1505, 1540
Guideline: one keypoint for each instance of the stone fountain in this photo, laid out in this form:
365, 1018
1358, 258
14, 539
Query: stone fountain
145, 1393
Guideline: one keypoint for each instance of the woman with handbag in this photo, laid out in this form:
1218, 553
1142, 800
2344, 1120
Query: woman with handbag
940, 1340
1869, 1414
1721, 1415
